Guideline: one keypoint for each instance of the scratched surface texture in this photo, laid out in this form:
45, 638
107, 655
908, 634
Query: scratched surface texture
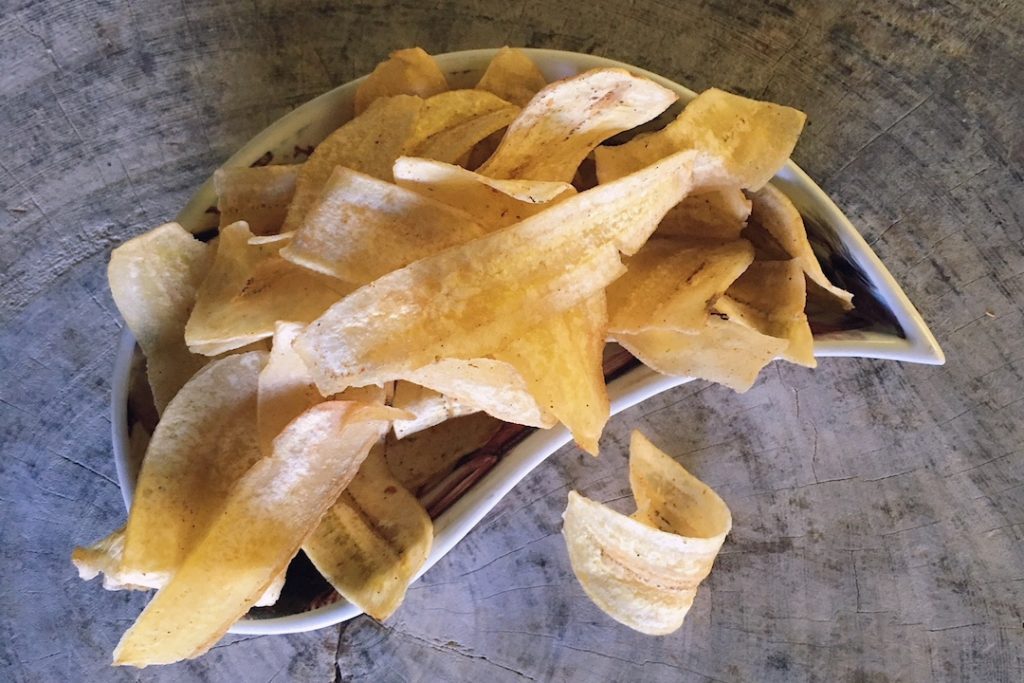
879, 508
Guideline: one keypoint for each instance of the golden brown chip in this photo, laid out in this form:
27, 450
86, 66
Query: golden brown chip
373, 541
567, 119
452, 123
777, 229
263, 521
715, 214
469, 300
406, 72
770, 297
560, 360
751, 140
644, 571
362, 228
369, 143
725, 352
492, 203
250, 288
428, 406
154, 278
670, 284
512, 76
258, 195
205, 441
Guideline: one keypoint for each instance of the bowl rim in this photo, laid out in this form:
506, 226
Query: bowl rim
917, 346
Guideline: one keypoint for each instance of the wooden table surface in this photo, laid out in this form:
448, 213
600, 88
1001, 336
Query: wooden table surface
879, 507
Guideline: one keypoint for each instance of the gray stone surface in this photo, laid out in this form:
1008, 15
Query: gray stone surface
879, 507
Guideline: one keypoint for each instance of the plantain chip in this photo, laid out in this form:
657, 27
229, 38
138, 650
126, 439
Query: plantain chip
421, 459
714, 214
373, 540
567, 119
452, 123
428, 406
258, 195
512, 76
406, 72
154, 278
644, 571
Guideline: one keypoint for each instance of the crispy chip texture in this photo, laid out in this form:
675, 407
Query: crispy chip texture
369, 143
428, 406
452, 123
715, 214
154, 278
492, 203
569, 118
752, 139
205, 441
258, 195
263, 521
512, 76
494, 285
406, 72
362, 228
777, 229
248, 289
373, 541
286, 389
671, 284
770, 297
644, 571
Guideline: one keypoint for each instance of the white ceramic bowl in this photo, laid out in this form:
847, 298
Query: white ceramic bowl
896, 332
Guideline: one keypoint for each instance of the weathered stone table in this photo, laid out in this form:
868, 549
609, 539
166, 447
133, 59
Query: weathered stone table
879, 507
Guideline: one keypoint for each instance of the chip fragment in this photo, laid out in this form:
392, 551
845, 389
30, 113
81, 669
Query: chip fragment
644, 571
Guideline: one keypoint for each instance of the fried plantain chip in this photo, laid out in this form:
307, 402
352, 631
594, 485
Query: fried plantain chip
560, 361
373, 540
724, 351
154, 278
644, 571
750, 139
715, 214
263, 521
369, 143
567, 119
777, 230
406, 72
286, 388
670, 284
362, 228
770, 297
512, 76
428, 406
452, 123
492, 203
248, 289
471, 299
258, 195
205, 441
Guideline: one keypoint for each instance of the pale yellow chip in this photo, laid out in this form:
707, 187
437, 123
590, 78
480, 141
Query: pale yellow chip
671, 284
560, 361
362, 228
770, 298
644, 571
154, 278
423, 458
258, 195
369, 143
263, 521
724, 351
406, 72
469, 300
777, 229
569, 118
428, 406
373, 540
248, 289
492, 203
452, 123
512, 76
205, 441
286, 389
714, 214
750, 139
